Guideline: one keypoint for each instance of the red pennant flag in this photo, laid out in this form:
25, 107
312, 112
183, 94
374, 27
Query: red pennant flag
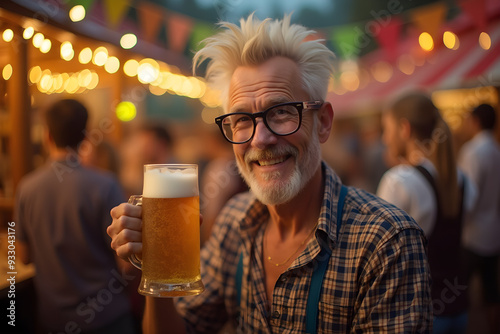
388, 37
476, 10
151, 17
178, 31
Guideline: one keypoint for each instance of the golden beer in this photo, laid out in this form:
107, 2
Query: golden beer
170, 202
171, 239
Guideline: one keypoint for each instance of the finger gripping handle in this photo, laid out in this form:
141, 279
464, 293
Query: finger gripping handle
134, 259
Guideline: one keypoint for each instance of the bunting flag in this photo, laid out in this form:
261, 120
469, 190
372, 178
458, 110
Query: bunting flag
388, 37
476, 10
151, 18
87, 4
348, 40
115, 11
200, 31
178, 31
430, 18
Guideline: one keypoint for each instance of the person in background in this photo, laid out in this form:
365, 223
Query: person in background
429, 187
219, 179
480, 160
62, 211
150, 144
102, 156
300, 252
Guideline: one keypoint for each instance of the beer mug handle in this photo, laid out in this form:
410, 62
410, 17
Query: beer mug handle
135, 200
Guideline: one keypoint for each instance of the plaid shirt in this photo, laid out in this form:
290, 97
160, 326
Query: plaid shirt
378, 280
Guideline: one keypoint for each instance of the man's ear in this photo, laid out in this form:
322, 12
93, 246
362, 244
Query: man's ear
325, 118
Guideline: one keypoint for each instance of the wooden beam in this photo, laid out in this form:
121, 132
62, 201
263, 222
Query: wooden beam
19, 106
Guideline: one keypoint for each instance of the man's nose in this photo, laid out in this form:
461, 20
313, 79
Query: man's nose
263, 137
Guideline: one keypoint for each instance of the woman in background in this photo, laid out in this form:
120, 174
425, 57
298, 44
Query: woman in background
428, 186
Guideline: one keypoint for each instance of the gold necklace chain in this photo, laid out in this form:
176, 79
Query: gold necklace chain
295, 252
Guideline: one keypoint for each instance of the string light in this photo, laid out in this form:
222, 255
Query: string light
8, 35
381, 71
46, 46
128, 41
485, 41
450, 40
66, 51
406, 64
426, 42
112, 65
77, 13
85, 56
148, 70
100, 56
38, 40
28, 32
7, 72
130, 67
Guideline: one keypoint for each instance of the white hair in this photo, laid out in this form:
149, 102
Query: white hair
256, 41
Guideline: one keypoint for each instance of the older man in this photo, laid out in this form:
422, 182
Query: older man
300, 252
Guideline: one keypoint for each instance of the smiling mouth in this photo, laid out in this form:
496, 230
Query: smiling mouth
271, 162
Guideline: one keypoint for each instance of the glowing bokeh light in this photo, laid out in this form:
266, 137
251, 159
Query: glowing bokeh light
85, 56
28, 32
381, 71
128, 41
450, 40
485, 41
126, 111
77, 13
426, 42
100, 56
406, 64
130, 67
148, 70
8, 35
35, 74
112, 65
38, 40
46, 45
7, 72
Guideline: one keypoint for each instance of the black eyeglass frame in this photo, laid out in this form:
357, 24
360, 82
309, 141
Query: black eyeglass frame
301, 106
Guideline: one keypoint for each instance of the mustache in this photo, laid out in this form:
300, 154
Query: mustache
270, 153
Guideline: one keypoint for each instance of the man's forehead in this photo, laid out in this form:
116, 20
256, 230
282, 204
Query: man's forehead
275, 81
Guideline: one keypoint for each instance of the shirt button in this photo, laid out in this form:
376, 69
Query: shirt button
284, 278
276, 314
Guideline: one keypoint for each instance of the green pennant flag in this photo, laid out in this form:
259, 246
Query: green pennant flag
87, 4
199, 33
348, 40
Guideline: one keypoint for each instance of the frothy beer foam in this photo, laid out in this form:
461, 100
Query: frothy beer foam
165, 183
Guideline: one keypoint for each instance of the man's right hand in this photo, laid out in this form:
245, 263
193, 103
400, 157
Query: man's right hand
126, 230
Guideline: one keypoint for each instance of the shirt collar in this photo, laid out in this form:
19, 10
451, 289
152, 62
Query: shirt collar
328, 214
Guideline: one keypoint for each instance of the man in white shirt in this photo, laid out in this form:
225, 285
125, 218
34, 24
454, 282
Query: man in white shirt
480, 160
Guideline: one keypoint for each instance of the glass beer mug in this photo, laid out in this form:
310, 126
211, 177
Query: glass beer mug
170, 203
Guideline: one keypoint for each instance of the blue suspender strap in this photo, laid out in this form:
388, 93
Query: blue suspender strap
319, 273
340, 208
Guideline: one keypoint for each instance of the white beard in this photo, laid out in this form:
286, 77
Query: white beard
278, 189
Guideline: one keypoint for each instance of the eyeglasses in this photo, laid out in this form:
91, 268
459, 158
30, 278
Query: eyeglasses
282, 120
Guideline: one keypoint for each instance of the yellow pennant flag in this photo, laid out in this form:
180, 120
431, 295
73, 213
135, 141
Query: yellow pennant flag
115, 11
430, 18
